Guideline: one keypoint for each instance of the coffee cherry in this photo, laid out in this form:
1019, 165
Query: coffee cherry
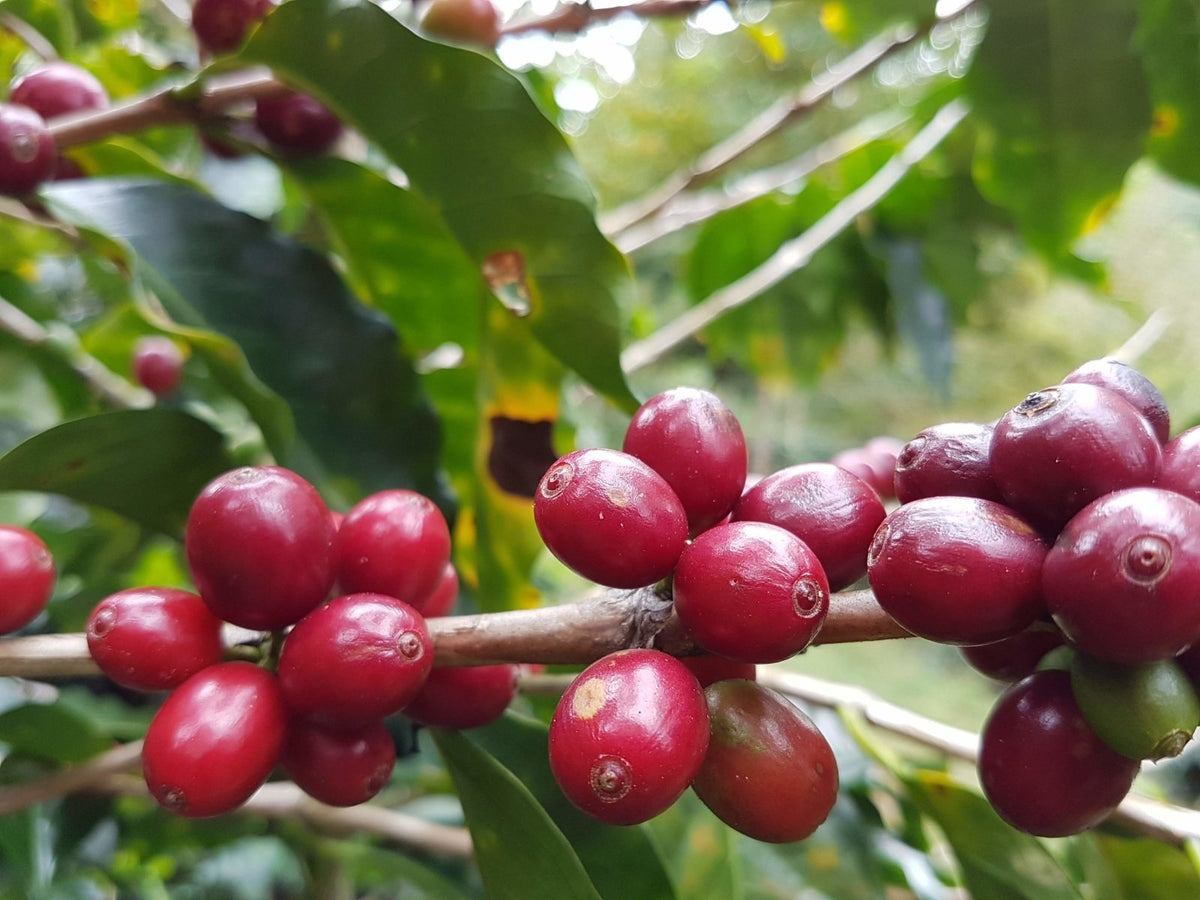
1041, 765
469, 697
1012, 658
958, 570
153, 638
711, 669
58, 88
221, 25
1064, 446
832, 511
215, 740
628, 736
27, 154
751, 591
297, 123
693, 440
769, 773
1123, 579
1131, 384
157, 364
341, 768
443, 598
874, 463
1181, 464
356, 659
611, 518
26, 577
259, 543
953, 459
465, 21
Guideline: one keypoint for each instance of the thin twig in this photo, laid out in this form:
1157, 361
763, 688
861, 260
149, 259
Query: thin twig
32, 38
1147, 335
71, 779
575, 17
796, 253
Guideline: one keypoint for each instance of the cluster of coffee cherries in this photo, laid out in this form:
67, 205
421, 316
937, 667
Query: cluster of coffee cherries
343, 601
749, 573
1071, 522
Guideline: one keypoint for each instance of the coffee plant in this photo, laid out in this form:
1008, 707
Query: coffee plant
440, 441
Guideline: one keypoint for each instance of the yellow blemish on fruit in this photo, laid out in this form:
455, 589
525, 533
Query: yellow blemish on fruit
590, 697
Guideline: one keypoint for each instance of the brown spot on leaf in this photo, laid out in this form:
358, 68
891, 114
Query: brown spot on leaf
505, 275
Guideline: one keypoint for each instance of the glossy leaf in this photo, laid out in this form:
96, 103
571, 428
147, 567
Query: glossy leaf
701, 851
50, 732
1168, 39
1149, 869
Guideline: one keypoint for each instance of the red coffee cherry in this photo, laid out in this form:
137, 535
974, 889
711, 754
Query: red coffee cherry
341, 768
259, 543
356, 659
711, 669
466, 21
27, 154
26, 577
1181, 464
393, 542
834, 512
297, 123
611, 518
958, 570
443, 598
1121, 581
693, 440
1012, 658
153, 638
157, 364
751, 591
57, 88
628, 736
1042, 767
1125, 380
469, 697
874, 463
215, 740
769, 772
1064, 446
221, 25
953, 459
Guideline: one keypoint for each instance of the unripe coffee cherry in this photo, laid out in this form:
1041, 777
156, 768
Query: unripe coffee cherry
1125, 380
693, 440
611, 518
751, 591
297, 123
215, 740
953, 459
1123, 579
958, 570
393, 542
834, 512
1041, 765
221, 25
153, 638
259, 543
1012, 658
769, 772
27, 155
628, 736
26, 577
57, 88
356, 659
341, 768
465, 21
157, 364
464, 697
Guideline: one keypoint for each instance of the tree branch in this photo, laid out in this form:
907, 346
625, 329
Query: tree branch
796, 253
32, 38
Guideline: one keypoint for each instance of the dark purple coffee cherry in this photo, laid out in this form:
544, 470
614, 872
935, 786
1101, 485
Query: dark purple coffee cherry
949, 460
1181, 464
1123, 579
297, 123
834, 512
27, 155
1064, 446
221, 25
1131, 384
1012, 658
958, 570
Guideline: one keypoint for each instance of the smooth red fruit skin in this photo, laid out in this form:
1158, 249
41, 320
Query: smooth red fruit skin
26, 577
769, 773
1123, 579
260, 546
468, 21
1042, 767
877, 466
827, 507
1131, 384
341, 768
157, 364
751, 591
297, 123
153, 638
958, 570
358, 658
27, 154
221, 25
393, 542
1014, 657
1181, 464
953, 459
215, 740
711, 669
695, 442
464, 697
443, 598
611, 518
57, 88
1064, 446
628, 736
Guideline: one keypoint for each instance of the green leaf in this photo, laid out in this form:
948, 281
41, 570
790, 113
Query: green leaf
146, 464
1149, 870
471, 139
51, 731
392, 874
1168, 39
520, 851
701, 849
